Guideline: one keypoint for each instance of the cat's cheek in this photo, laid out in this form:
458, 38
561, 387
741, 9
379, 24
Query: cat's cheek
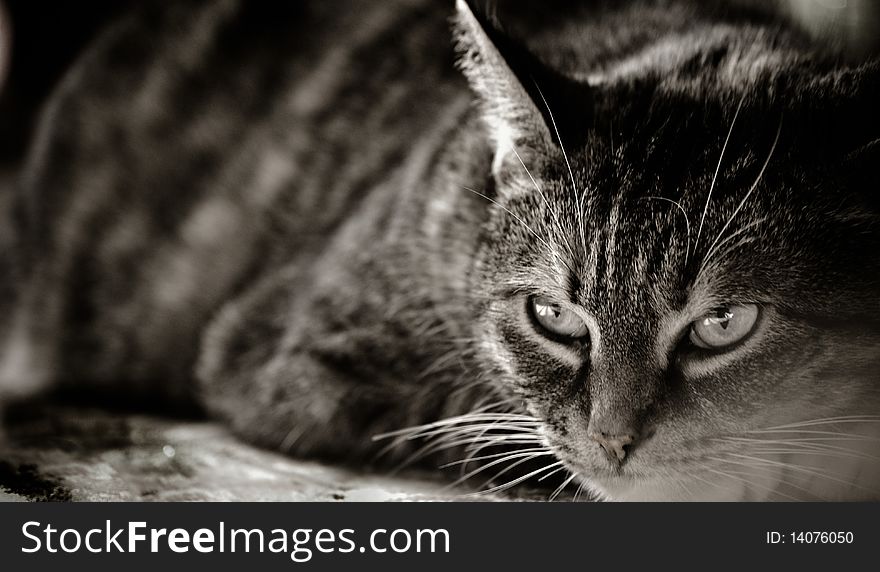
536, 368
773, 380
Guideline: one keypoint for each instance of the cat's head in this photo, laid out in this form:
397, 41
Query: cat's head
680, 273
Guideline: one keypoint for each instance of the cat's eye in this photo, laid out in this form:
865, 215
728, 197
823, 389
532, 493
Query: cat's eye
724, 326
556, 319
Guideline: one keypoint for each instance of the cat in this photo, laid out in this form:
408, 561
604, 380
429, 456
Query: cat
637, 250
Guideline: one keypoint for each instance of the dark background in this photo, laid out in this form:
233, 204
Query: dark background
47, 35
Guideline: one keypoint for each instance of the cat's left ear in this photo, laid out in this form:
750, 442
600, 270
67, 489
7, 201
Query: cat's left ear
525, 104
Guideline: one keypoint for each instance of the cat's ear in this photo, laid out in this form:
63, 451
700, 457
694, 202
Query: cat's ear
524, 103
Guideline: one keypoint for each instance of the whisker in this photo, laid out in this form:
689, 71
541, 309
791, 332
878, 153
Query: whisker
548, 475
523, 223
747, 482
558, 137
518, 480
718, 169
751, 189
495, 463
782, 479
509, 468
804, 469
811, 452
510, 426
483, 428
852, 436
562, 487
687, 223
553, 213
579, 490
574, 185
581, 219
440, 363
476, 448
474, 451
433, 447
711, 485
831, 420
464, 430
804, 446
711, 253
485, 457
457, 420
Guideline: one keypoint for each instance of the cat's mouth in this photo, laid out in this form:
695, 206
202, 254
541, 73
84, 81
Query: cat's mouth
596, 473
639, 475
605, 456
603, 482
627, 482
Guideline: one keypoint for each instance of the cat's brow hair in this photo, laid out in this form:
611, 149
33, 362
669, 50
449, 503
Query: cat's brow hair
687, 223
718, 169
552, 211
712, 248
553, 252
574, 185
558, 137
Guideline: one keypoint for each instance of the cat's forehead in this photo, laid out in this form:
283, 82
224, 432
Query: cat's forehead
613, 254
690, 182
648, 236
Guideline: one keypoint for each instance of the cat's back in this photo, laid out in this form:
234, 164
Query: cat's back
182, 99
195, 141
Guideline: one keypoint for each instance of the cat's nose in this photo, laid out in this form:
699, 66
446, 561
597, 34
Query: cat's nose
615, 446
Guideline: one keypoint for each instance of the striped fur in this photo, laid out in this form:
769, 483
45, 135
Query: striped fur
303, 218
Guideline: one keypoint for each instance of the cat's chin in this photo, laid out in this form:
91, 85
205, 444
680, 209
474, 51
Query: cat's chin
851, 479
626, 489
681, 484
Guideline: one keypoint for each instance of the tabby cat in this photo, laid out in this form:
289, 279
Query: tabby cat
637, 248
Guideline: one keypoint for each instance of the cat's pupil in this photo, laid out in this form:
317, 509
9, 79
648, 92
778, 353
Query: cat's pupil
722, 318
548, 311
557, 319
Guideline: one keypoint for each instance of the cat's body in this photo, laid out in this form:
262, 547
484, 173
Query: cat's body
294, 214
